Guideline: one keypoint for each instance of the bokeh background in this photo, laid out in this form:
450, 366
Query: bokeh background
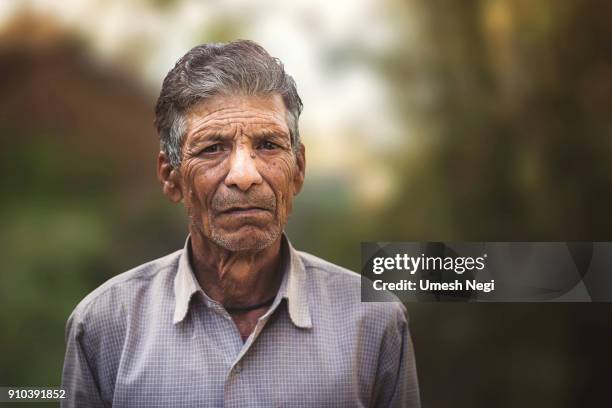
424, 120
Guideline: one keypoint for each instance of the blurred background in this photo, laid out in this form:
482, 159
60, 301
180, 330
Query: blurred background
423, 120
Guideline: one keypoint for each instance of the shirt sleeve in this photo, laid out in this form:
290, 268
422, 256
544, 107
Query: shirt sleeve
78, 378
397, 383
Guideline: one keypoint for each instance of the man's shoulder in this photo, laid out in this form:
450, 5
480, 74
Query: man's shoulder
344, 286
117, 294
327, 269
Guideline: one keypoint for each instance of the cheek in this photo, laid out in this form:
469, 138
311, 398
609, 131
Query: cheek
200, 183
281, 172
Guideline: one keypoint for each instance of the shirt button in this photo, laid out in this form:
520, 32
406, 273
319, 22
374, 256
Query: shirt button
238, 368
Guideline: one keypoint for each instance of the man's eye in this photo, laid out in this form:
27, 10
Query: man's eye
267, 145
213, 148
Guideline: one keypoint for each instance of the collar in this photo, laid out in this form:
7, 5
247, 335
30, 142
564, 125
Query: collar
294, 286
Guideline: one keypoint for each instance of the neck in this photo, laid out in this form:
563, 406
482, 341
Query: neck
236, 278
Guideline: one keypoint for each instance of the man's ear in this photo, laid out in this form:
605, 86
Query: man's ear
298, 178
169, 178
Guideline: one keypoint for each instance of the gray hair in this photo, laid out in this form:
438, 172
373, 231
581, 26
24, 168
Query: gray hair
216, 69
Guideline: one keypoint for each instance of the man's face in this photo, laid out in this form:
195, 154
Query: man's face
238, 172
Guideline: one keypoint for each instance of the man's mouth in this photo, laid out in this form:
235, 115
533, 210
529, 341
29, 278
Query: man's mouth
244, 210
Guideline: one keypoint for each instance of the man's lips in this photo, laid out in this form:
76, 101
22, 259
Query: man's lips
244, 210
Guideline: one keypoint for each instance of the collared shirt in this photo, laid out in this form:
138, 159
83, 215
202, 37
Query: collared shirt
151, 337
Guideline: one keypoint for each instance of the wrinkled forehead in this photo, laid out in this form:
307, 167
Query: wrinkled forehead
230, 113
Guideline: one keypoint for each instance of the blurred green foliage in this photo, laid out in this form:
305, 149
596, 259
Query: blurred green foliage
54, 239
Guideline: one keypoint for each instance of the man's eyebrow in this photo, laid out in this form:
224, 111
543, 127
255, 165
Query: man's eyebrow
209, 136
271, 134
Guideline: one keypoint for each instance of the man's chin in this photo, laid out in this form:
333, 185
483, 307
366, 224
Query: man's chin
247, 238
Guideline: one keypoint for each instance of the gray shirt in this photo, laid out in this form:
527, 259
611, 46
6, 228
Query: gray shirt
150, 337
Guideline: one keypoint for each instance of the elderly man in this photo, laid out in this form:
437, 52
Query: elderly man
238, 317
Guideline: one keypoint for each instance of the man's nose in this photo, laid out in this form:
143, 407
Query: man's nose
243, 172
